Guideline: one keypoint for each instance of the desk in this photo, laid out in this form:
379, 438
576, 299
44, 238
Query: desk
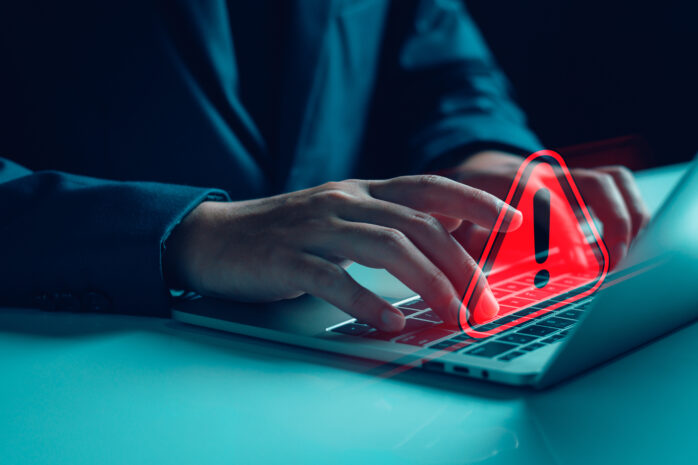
111, 389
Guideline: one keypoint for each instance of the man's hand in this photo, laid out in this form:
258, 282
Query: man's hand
280, 247
611, 193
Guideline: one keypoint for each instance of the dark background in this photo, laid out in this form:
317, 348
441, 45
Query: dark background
585, 71
590, 70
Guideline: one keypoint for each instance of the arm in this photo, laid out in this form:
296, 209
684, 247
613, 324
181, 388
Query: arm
445, 89
77, 243
457, 107
84, 244
280, 247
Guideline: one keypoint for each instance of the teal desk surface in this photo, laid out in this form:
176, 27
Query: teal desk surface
101, 389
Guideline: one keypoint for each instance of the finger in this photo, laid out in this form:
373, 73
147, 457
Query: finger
472, 237
625, 182
381, 247
573, 252
423, 230
602, 194
330, 282
436, 194
497, 184
449, 223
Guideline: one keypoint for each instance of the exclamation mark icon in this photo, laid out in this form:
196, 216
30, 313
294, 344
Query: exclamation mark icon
541, 233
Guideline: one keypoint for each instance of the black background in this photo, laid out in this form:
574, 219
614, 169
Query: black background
585, 71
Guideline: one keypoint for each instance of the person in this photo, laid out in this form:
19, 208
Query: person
249, 150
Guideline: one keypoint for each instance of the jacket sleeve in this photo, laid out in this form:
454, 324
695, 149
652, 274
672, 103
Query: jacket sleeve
453, 98
76, 243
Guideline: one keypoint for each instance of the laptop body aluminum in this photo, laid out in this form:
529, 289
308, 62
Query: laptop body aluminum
652, 294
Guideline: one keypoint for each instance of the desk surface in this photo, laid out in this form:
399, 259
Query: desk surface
114, 389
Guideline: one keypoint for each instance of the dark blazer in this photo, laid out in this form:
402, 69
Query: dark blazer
153, 106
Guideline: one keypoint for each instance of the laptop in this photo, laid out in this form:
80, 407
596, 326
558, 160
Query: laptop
651, 293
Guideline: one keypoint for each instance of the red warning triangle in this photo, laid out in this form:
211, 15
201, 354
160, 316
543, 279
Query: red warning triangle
556, 257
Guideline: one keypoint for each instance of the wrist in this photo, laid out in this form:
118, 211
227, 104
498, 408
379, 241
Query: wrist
482, 161
185, 247
488, 159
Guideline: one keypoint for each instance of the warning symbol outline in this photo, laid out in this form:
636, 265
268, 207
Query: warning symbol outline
555, 296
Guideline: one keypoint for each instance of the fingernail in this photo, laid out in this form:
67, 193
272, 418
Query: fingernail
487, 307
459, 312
393, 319
516, 220
491, 304
580, 259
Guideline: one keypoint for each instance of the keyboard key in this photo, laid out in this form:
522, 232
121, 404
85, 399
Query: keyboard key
536, 330
526, 311
353, 329
511, 355
517, 302
531, 347
461, 337
418, 304
450, 345
561, 298
556, 322
412, 324
571, 314
443, 345
517, 338
381, 335
508, 330
429, 316
571, 281
491, 349
554, 289
552, 339
407, 311
499, 293
506, 309
535, 294
505, 320
513, 286
425, 337
487, 327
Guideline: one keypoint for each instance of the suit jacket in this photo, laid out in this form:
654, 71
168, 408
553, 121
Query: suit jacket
120, 118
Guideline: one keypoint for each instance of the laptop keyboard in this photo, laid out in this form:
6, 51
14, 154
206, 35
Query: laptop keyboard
424, 328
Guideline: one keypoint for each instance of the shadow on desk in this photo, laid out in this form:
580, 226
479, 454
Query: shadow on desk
65, 325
